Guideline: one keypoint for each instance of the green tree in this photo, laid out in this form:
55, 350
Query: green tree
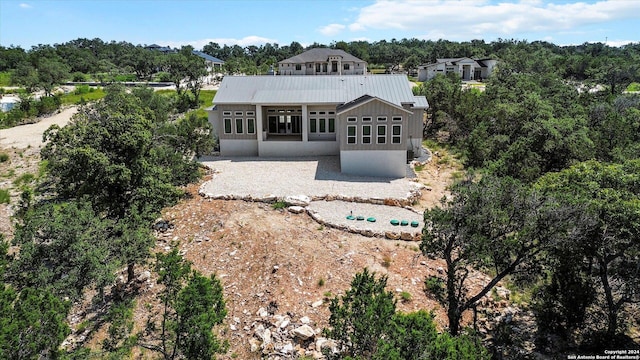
610, 246
64, 247
495, 225
360, 317
192, 306
185, 67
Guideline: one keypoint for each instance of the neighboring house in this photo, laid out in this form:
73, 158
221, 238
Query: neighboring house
213, 63
162, 49
371, 122
214, 66
466, 68
8, 102
323, 61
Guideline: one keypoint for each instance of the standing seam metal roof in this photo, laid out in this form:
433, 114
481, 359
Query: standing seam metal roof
328, 89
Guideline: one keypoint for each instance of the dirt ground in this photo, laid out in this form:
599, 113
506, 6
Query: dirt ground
262, 256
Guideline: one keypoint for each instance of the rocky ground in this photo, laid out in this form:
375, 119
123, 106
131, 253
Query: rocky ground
278, 269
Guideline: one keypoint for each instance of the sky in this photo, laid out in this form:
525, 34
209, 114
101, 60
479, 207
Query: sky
174, 23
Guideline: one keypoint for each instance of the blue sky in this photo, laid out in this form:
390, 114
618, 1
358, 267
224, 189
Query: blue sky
197, 22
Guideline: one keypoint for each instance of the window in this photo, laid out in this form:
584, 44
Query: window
238, 113
334, 67
251, 113
313, 125
382, 134
227, 126
351, 134
239, 126
317, 67
382, 118
396, 118
345, 66
324, 67
352, 119
366, 134
298, 67
251, 126
312, 113
226, 113
332, 125
323, 125
366, 119
396, 132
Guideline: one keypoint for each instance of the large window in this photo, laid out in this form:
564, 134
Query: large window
351, 134
396, 134
239, 129
366, 134
298, 67
345, 66
332, 125
251, 126
313, 125
227, 126
323, 125
382, 134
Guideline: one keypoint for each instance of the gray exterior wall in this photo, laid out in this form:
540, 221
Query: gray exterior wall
230, 112
374, 109
383, 163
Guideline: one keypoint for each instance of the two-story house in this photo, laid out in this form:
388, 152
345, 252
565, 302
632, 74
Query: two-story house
322, 61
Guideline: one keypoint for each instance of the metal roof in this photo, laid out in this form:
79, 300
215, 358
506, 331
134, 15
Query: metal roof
319, 55
322, 89
208, 57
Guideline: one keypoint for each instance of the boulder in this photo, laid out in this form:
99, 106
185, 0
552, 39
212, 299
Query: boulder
296, 209
392, 235
297, 200
304, 332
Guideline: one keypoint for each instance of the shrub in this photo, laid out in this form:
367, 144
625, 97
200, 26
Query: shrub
5, 197
48, 105
4, 157
434, 286
279, 205
82, 89
78, 77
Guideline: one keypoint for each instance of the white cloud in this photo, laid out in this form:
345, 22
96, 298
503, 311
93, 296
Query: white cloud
468, 19
25, 6
199, 44
331, 29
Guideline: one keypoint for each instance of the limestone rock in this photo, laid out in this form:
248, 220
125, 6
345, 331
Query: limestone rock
296, 209
392, 235
304, 332
297, 200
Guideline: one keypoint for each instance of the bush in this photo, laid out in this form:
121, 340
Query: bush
48, 105
78, 77
5, 197
82, 89
4, 157
163, 77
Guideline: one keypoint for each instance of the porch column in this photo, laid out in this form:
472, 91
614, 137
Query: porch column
305, 124
259, 125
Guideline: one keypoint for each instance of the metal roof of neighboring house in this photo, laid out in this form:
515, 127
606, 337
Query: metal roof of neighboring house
455, 61
319, 55
322, 89
208, 57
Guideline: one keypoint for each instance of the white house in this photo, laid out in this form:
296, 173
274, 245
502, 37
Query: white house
322, 61
371, 122
466, 68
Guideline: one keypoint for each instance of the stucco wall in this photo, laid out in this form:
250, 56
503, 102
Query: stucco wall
237, 147
380, 163
298, 148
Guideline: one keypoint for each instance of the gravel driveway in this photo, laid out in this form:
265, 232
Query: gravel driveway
30, 135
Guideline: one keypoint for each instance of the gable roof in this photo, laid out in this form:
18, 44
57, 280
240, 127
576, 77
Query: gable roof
455, 61
322, 89
364, 99
208, 57
319, 55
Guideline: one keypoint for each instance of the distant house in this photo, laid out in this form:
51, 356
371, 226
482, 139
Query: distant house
466, 68
162, 49
322, 61
213, 63
371, 122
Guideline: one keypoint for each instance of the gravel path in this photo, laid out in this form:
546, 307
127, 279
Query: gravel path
336, 212
30, 135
